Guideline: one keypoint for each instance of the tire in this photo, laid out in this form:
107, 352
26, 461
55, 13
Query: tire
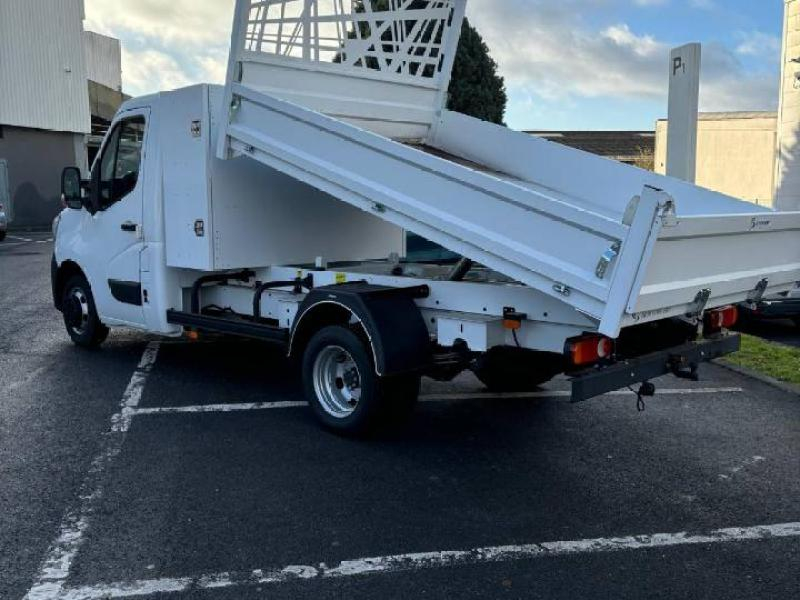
2, 236
344, 391
796, 322
504, 369
80, 315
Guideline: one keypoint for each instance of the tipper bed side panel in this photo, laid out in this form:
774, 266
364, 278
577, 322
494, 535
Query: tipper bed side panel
542, 242
728, 256
599, 184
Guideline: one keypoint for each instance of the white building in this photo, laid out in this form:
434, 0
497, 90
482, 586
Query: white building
103, 60
735, 154
46, 62
787, 195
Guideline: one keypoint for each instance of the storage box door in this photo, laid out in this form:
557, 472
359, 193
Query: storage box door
187, 211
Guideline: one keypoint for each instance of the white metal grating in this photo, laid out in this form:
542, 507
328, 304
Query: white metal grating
398, 37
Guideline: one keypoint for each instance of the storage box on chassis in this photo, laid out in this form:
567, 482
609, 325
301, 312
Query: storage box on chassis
241, 214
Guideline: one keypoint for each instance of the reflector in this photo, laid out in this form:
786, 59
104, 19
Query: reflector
590, 350
722, 318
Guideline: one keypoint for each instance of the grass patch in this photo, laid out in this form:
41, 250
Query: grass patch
774, 360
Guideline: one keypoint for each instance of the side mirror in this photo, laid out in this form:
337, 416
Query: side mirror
71, 188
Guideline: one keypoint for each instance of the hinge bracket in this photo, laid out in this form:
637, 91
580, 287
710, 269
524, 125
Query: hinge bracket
606, 260
669, 214
758, 294
700, 302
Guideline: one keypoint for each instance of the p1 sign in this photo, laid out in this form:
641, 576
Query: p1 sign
684, 104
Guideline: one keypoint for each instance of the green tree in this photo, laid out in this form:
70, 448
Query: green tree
476, 89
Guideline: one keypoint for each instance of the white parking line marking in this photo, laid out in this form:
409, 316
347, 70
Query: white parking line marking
31, 376
430, 560
53, 573
23, 240
215, 408
259, 406
750, 462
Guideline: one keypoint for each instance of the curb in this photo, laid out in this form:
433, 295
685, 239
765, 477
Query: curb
766, 379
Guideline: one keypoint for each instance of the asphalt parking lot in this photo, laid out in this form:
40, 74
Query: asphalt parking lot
162, 469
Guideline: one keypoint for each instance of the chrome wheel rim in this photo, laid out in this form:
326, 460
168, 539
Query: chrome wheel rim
337, 382
77, 311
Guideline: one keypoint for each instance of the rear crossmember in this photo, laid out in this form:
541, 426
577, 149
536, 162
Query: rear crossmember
681, 361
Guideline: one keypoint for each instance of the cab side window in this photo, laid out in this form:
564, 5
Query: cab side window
121, 161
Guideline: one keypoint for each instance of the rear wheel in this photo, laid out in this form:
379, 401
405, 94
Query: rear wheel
345, 393
507, 369
2, 235
80, 315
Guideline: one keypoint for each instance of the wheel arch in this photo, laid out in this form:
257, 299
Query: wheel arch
60, 275
316, 317
391, 322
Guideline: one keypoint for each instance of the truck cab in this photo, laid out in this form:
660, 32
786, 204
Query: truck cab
110, 216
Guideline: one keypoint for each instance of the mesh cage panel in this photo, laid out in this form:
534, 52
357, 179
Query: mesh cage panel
397, 37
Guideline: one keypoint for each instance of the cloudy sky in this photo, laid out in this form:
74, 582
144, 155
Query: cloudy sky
569, 64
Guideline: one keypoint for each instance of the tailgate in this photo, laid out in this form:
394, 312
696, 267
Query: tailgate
731, 259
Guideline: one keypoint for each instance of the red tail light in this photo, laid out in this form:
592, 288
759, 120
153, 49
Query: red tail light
589, 350
722, 318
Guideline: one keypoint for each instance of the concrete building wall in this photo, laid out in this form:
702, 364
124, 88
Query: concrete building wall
787, 192
35, 159
43, 66
735, 154
103, 60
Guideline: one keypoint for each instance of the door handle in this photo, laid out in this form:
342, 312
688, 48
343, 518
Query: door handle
129, 227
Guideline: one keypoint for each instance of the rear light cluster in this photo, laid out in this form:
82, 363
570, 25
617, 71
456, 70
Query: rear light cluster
722, 318
590, 350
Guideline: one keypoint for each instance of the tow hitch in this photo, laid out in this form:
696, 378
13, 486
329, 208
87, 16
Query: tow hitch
683, 369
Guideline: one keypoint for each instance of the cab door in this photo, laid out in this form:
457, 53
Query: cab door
114, 233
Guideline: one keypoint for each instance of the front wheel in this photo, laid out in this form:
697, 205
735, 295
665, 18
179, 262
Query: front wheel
2, 235
80, 314
345, 393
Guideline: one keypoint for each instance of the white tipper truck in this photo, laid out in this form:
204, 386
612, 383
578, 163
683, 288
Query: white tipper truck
276, 208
